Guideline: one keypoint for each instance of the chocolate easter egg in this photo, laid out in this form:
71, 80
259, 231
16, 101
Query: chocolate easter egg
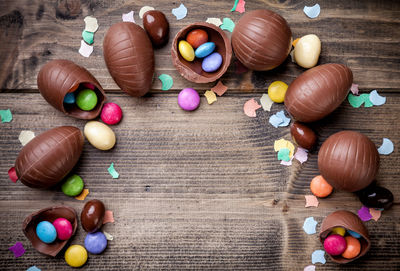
375, 196
129, 57
59, 77
348, 221
92, 215
261, 40
157, 27
303, 135
49, 157
348, 161
318, 91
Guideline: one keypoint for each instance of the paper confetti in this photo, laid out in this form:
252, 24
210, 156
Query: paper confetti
311, 201
266, 102
357, 101
113, 172
25, 136
239, 6
309, 268
250, 108
215, 21
108, 236
33, 268
354, 89
12, 174
283, 143
279, 119
219, 88
376, 99
143, 10
283, 155
85, 50
108, 217
295, 42
287, 163
310, 225
235, 5
375, 214
17, 249
312, 12
88, 37
91, 24
318, 257
167, 81
227, 24
83, 195
301, 155
180, 12
387, 147
128, 17
210, 96
364, 214
6, 115
292, 56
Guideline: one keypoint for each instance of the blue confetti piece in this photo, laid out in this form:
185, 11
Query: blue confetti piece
33, 268
285, 120
310, 225
318, 256
312, 12
387, 147
275, 121
180, 12
376, 99
354, 234
69, 98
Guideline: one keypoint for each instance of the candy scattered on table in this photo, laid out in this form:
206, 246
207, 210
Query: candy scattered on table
334, 244
239, 6
376, 99
277, 91
364, 214
96, 242
212, 62
279, 119
301, 155
25, 136
92, 215
387, 147
72, 186
188, 99
83, 195
46, 232
309, 268
374, 196
108, 217
310, 225
99, 135
85, 49
12, 174
303, 135
283, 155
307, 51
91, 24
354, 89
250, 108
266, 102
311, 201
143, 10
186, 50
227, 24
111, 113
375, 214
320, 187
180, 12
33, 268
210, 96
283, 143
6, 115
17, 249
215, 21
108, 236
76, 256
166, 81
63, 228
219, 88
128, 17
112, 171
353, 248
312, 12
318, 256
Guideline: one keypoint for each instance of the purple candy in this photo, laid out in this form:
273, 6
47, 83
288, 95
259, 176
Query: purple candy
212, 62
95, 242
188, 99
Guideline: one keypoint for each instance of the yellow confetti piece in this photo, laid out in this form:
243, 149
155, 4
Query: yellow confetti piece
83, 195
91, 24
26, 136
283, 143
211, 97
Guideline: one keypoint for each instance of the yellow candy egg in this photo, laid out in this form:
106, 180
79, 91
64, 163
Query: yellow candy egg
186, 50
339, 230
76, 256
277, 91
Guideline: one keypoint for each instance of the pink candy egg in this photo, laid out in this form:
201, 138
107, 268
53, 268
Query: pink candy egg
63, 228
111, 113
335, 244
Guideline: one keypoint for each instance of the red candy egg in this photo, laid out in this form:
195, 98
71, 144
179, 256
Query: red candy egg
335, 244
197, 37
111, 113
63, 228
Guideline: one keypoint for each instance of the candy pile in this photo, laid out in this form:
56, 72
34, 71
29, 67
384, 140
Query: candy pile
338, 243
84, 97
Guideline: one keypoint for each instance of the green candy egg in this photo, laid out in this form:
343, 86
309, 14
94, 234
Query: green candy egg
72, 186
86, 99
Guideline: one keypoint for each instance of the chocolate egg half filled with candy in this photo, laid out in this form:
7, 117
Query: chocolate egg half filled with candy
348, 161
318, 91
49, 214
49, 157
348, 221
129, 57
58, 78
262, 40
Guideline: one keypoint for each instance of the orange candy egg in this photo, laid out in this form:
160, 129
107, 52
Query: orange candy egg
353, 248
320, 187
197, 37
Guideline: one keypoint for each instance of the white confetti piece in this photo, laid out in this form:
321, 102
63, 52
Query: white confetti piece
26, 136
180, 12
310, 225
387, 147
91, 24
108, 236
143, 10
214, 21
128, 17
309, 268
312, 12
301, 155
85, 50
266, 102
318, 256
376, 99
292, 56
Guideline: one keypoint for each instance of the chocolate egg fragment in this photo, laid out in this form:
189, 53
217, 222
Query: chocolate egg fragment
349, 221
375, 196
318, 91
192, 70
57, 78
129, 57
92, 215
49, 157
348, 161
262, 40
48, 214
303, 135
157, 27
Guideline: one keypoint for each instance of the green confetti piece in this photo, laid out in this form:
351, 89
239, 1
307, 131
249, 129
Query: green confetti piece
283, 154
355, 101
113, 172
235, 5
6, 115
227, 24
88, 37
367, 101
166, 81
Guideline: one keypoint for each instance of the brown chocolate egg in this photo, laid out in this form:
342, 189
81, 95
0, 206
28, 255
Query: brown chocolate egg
348, 161
303, 135
58, 78
348, 221
48, 214
261, 40
318, 91
49, 157
157, 27
129, 57
92, 215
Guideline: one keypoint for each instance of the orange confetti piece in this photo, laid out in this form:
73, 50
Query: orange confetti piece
219, 88
83, 195
108, 217
295, 42
311, 201
376, 214
250, 108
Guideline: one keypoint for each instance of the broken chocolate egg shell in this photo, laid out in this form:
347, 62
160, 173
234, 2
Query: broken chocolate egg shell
49, 214
349, 221
192, 71
59, 77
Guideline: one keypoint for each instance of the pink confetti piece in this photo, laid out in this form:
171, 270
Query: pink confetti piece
239, 67
250, 108
12, 174
375, 214
301, 155
219, 88
240, 6
354, 89
309, 268
311, 201
17, 249
108, 217
364, 214
128, 17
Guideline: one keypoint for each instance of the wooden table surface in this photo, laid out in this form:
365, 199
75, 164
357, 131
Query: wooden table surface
199, 190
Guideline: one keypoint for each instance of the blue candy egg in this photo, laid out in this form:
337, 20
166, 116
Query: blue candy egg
354, 234
69, 98
46, 232
95, 242
205, 49
212, 62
